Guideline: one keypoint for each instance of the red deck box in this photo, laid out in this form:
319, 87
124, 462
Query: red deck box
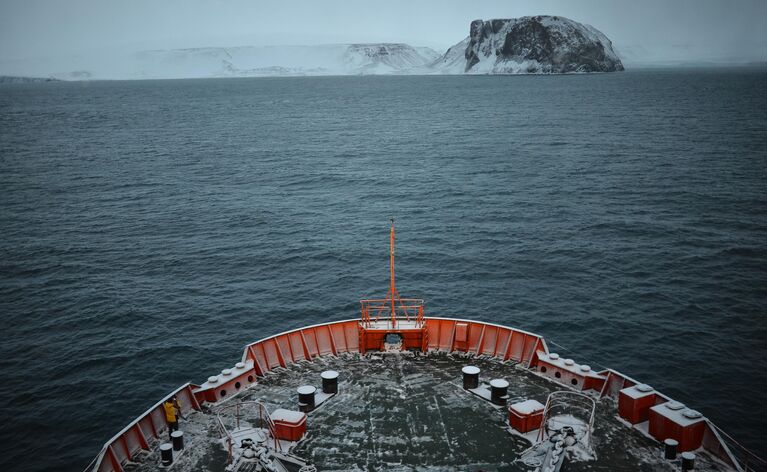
634, 403
289, 425
673, 420
526, 416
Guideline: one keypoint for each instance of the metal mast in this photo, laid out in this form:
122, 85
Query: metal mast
392, 290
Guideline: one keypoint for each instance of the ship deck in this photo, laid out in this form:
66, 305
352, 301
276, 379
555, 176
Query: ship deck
409, 412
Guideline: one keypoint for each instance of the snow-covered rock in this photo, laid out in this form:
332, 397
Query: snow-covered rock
387, 58
531, 44
453, 61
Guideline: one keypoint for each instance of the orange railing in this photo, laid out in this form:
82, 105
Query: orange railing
443, 334
411, 309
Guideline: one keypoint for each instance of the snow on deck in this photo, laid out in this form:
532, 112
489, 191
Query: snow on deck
528, 407
409, 412
291, 416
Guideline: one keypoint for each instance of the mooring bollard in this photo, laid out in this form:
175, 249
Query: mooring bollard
166, 454
670, 449
688, 461
178, 440
498, 391
470, 377
306, 397
329, 381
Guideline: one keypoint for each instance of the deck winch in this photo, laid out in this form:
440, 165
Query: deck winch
564, 433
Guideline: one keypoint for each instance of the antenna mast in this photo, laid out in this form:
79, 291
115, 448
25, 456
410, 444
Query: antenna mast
410, 308
392, 290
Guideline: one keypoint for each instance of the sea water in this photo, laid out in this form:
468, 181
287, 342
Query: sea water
151, 229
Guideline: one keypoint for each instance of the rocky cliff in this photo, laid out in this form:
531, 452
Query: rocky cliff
529, 45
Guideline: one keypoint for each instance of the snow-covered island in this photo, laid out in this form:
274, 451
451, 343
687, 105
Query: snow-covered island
539, 45
530, 45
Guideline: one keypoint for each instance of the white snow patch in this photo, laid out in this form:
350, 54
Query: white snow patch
527, 407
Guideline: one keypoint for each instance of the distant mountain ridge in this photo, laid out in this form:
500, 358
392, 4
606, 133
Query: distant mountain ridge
13, 79
539, 44
250, 61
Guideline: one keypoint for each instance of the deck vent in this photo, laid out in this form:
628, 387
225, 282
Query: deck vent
240, 365
226, 372
553, 356
212, 379
644, 388
674, 406
691, 414
569, 362
585, 368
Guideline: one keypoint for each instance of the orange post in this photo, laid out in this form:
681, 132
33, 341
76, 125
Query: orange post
391, 270
373, 310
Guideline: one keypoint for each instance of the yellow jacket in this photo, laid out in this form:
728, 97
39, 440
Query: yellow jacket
170, 412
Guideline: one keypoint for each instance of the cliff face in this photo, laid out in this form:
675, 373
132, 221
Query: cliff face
395, 58
534, 44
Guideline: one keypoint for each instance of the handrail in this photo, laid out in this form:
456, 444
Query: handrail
554, 400
382, 306
263, 416
92, 464
247, 347
748, 460
229, 441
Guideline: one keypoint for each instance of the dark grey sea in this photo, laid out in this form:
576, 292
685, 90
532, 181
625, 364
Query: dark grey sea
151, 229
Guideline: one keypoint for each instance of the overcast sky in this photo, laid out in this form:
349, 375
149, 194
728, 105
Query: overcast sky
699, 29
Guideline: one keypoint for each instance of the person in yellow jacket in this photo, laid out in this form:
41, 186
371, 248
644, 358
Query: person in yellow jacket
171, 414
177, 405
